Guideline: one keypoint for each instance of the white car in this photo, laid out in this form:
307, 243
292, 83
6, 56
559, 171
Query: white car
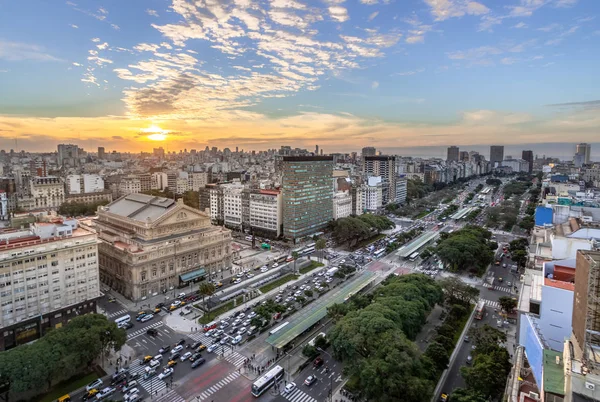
176, 349
130, 393
212, 347
289, 388
185, 356
242, 331
275, 265
241, 316
176, 303
147, 317
252, 315
168, 371
94, 385
264, 269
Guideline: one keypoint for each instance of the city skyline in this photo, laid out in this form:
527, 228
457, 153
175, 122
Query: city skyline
339, 74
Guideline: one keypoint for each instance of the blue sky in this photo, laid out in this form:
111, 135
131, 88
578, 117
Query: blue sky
259, 74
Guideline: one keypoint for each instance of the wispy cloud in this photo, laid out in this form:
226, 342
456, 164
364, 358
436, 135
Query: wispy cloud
100, 14
592, 104
73, 26
17, 51
339, 13
407, 73
551, 27
442, 10
375, 84
373, 15
520, 25
151, 12
417, 33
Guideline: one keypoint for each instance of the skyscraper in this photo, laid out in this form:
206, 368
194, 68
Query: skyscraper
316, 149
307, 195
101, 153
452, 154
528, 156
383, 166
584, 150
496, 154
368, 151
463, 156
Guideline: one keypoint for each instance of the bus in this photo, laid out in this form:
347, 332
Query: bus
123, 320
479, 310
297, 250
413, 256
266, 381
309, 245
379, 253
277, 329
283, 258
209, 326
308, 250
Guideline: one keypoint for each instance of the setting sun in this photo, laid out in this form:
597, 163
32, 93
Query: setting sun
157, 133
157, 137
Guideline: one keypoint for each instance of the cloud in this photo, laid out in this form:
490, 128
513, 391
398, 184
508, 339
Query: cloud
508, 60
146, 47
407, 73
73, 26
17, 51
375, 85
442, 10
520, 25
561, 36
151, 12
339, 13
373, 15
474, 53
96, 40
418, 31
78, 64
593, 104
489, 21
369, 2
102, 46
565, 3
551, 27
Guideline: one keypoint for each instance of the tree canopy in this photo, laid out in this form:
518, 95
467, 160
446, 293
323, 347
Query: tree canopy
80, 208
355, 228
466, 249
457, 291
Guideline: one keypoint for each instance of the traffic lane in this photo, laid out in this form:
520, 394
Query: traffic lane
327, 375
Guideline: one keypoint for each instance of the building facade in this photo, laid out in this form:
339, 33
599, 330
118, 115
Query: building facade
368, 151
584, 150
383, 166
342, 204
150, 245
130, 185
307, 195
266, 212
84, 183
47, 192
48, 275
496, 154
528, 156
452, 154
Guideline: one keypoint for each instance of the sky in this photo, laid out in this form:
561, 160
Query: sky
343, 74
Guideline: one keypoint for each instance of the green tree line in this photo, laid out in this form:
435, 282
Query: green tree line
80, 208
356, 228
468, 249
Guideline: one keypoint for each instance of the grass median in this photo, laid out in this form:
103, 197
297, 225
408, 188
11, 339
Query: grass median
210, 316
284, 279
69, 386
311, 266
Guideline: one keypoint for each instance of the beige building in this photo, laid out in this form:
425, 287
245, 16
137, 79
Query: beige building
48, 275
47, 192
151, 244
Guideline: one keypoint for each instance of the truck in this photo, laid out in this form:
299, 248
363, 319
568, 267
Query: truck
332, 271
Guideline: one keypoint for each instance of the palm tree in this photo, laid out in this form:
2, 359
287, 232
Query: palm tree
206, 289
320, 245
295, 256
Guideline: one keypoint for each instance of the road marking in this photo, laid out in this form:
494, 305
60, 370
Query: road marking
120, 312
491, 303
152, 384
214, 388
141, 331
171, 396
298, 395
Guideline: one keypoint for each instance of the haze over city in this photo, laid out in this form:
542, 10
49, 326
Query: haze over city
398, 74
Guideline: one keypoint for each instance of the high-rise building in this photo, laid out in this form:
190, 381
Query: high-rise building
307, 195
452, 154
383, 166
316, 149
584, 150
48, 275
158, 152
101, 153
368, 151
528, 156
463, 156
586, 301
496, 154
68, 154
131, 228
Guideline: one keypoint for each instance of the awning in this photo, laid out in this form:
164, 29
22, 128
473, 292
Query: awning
190, 276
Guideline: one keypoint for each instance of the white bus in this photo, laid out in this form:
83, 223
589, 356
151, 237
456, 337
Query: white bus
413, 256
266, 381
278, 328
122, 321
308, 250
379, 253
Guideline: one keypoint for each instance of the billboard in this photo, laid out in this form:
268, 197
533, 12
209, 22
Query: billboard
534, 349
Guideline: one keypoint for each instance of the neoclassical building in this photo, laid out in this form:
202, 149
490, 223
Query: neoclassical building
150, 245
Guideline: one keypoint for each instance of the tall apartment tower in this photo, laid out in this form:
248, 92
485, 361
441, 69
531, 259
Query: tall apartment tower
101, 153
584, 150
368, 151
385, 167
496, 154
586, 300
452, 154
316, 149
528, 156
307, 192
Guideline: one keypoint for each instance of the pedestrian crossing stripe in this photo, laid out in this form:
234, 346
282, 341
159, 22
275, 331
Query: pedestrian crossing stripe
153, 384
216, 387
171, 396
120, 312
502, 289
491, 303
235, 358
141, 331
297, 395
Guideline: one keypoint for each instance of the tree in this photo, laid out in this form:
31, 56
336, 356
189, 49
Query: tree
488, 373
466, 395
466, 249
486, 338
192, 199
310, 351
457, 291
438, 355
337, 311
520, 257
321, 342
206, 289
308, 293
507, 303
320, 246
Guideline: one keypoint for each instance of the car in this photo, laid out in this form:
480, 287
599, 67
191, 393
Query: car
211, 332
246, 323
318, 362
172, 363
217, 339
152, 332
469, 359
467, 338
264, 269
201, 348
89, 394
154, 363
176, 303
212, 347
198, 362
289, 388
164, 349
176, 349
147, 359
238, 280
96, 384
444, 397
130, 392
237, 322
232, 331
225, 339
175, 356
167, 372
186, 356
218, 285
130, 385
275, 265
310, 380
127, 325
147, 317
242, 331
180, 342
195, 357
249, 275
105, 393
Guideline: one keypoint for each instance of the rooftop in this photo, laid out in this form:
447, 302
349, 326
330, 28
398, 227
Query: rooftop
141, 207
554, 375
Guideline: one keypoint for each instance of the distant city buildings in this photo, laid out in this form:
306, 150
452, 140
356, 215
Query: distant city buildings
582, 154
496, 154
528, 156
453, 154
368, 151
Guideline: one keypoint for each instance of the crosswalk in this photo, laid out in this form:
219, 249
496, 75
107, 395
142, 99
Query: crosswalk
153, 384
232, 357
117, 313
502, 289
298, 395
141, 331
171, 396
214, 388
491, 303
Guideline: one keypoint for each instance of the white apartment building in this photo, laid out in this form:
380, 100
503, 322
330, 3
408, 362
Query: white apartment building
401, 190
159, 181
266, 212
181, 185
196, 181
517, 165
47, 192
48, 275
130, 185
373, 194
342, 204
232, 205
84, 183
